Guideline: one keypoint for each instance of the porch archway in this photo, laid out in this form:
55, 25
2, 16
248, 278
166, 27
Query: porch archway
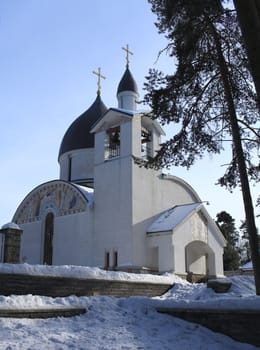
200, 259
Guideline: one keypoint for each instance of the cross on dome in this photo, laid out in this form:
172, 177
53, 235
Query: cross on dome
98, 73
126, 49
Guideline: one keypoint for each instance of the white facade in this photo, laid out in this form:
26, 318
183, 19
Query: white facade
121, 222
78, 166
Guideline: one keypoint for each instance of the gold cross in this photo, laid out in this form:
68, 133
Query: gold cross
98, 73
127, 54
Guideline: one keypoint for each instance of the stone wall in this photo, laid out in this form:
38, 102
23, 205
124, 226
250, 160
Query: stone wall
63, 286
241, 325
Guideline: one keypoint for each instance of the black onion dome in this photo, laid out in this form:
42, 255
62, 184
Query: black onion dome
127, 83
78, 134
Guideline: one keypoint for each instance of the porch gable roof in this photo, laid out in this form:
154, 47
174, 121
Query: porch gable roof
171, 218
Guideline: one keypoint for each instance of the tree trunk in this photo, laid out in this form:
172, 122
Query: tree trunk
248, 12
237, 146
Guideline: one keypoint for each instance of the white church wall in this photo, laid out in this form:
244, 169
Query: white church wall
126, 139
215, 244
99, 154
152, 195
166, 254
31, 243
136, 136
198, 228
183, 235
153, 258
82, 164
181, 238
113, 210
72, 239
156, 140
163, 243
145, 207
139, 242
196, 262
127, 100
207, 246
64, 167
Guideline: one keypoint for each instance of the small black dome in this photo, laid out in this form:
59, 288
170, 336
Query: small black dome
127, 83
78, 134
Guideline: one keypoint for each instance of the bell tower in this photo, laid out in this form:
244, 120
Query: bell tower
122, 136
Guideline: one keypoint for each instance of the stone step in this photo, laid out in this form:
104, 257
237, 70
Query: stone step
42, 313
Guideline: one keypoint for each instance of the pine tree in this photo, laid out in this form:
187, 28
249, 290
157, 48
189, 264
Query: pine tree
231, 256
249, 18
210, 97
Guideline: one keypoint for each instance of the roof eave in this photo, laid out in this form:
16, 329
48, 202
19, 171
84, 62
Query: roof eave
125, 114
159, 233
154, 123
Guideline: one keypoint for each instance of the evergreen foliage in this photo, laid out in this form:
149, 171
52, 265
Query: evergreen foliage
194, 97
231, 256
249, 18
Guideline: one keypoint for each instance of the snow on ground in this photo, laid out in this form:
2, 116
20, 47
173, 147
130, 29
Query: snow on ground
83, 272
240, 296
124, 323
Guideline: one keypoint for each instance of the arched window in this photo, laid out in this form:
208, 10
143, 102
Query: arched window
48, 238
146, 139
112, 143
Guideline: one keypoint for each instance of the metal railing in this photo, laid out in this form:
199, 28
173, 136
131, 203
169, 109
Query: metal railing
112, 151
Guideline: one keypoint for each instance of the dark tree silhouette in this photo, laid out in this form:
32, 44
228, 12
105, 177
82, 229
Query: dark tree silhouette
231, 256
249, 19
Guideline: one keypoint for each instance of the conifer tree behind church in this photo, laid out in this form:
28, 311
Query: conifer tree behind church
210, 97
231, 254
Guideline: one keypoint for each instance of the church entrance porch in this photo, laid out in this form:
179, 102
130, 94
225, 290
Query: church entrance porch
199, 261
48, 239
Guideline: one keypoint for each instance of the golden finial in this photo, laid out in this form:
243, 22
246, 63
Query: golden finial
98, 73
127, 54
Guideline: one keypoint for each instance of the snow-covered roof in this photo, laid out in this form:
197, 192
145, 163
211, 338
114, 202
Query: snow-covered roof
173, 217
87, 192
114, 115
125, 111
11, 225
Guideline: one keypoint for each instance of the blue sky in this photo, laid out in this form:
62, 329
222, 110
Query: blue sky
48, 50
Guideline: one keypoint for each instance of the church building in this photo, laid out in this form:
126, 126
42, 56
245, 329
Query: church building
107, 210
